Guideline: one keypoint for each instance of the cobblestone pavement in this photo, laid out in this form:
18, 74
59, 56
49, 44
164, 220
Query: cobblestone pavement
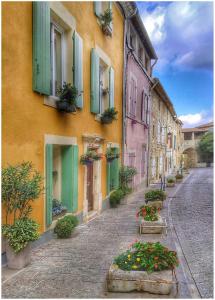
192, 215
77, 267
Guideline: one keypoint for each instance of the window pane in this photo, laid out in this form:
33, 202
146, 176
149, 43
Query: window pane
58, 59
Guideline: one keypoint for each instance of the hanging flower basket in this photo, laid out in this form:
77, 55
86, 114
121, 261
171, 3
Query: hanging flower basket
108, 115
65, 106
111, 155
90, 157
68, 95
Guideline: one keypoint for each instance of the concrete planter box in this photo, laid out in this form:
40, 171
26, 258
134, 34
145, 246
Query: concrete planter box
151, 226
127, 281
179, 180
156, 203
18, 260
170, 184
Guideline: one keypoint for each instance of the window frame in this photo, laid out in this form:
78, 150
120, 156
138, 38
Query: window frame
55, 26
132, 102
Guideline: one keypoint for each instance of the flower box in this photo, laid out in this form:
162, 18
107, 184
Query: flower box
18, 260
170, 184
151, 226
179, 179
119, 280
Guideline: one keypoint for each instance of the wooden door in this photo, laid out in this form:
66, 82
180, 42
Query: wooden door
90, 186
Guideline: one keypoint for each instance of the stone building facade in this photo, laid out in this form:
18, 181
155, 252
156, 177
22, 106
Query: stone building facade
191, 138
165, 135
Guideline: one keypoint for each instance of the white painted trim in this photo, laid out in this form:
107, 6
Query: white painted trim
60, 10
60, 140
103, 56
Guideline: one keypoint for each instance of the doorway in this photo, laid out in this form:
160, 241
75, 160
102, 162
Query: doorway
90, 187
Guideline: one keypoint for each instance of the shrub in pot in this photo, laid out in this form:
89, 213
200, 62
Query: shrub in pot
65, 226
178, 177
148, 213
126, 175
21, 185
115, 197
170, 182
155, 198
111, 155
108, 115
18, 236
68, 95
142, 264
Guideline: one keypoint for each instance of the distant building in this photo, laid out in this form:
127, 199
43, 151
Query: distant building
191, 137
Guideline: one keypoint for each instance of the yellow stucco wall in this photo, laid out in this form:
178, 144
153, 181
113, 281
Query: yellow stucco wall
25, 118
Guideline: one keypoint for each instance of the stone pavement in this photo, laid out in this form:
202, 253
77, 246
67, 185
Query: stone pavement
192, 214
77, 267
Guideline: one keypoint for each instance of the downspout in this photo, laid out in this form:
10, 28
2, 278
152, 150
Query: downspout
148, 158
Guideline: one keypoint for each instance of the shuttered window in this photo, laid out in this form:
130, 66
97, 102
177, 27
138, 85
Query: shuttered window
78, 67
133, 96
113, 173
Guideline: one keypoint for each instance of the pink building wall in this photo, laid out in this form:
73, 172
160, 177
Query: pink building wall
136, 140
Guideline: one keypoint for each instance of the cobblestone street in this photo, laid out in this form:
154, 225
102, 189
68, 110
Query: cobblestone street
77, 267
192, 214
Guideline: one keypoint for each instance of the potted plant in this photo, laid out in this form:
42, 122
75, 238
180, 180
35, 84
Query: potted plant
58, 208
170, 182
21, 185
155, 198
105, 91
68, 95
179, 177
105, 21
126, 175
108, 115
111, 155
90, 157
150, 220
115, 197
96, 156
144, 267
65, 226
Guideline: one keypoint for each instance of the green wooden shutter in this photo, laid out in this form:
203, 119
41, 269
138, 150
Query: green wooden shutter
78, 67
111, 87
66, 177
69, 179
75, 178
108, 166
41, 48
116, 168
94, 104
49, 183
97, 8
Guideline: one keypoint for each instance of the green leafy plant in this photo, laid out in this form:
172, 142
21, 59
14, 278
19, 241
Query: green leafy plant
205, 147
149, 257
109, 115
179, 176
21, 233
149, 213
170, 180
126, 190
105, 21
154, 195
68, 92
126, 175
111, 155
21, 185
115, 197
65, 226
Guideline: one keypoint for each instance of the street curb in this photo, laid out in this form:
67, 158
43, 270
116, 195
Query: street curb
193, 289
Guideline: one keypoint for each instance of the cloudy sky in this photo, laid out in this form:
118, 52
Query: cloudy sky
182, 35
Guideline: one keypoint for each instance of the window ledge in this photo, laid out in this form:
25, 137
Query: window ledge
51, 101
98, 117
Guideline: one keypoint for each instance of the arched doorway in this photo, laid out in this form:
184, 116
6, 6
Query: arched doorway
190, 158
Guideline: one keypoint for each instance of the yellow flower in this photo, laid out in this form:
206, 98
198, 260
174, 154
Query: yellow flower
134, 267
138, 259
125, 262
129, 255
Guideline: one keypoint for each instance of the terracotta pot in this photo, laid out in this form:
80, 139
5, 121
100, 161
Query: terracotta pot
18, 260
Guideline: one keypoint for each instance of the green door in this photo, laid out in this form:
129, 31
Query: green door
113, 173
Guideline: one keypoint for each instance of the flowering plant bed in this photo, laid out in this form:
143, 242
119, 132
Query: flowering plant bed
149, 220
145, 267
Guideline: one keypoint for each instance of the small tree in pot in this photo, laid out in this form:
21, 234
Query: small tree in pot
109, 115
68, 95
21, 185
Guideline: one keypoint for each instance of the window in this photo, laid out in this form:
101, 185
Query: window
57, 55
133, 96
188, 136
103, 87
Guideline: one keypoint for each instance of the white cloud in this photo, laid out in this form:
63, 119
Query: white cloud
182, 34
193, 120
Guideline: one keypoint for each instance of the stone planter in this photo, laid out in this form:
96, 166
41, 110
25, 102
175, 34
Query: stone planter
128, 281
151, 226
179, 180
170, 184
18, 260
65, 106
155, 203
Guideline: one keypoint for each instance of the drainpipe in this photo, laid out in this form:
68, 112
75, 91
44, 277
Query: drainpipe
148, 158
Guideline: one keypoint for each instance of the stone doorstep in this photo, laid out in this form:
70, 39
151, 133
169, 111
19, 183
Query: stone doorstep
127, 281
152, 226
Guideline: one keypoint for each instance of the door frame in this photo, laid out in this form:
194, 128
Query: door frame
54, 140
